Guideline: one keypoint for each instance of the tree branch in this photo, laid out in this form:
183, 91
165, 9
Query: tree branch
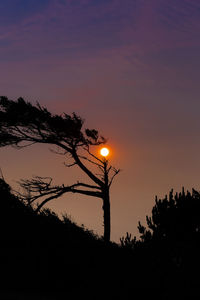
89, 193
85, 185
115, 174
94, 156
47, 200
86, 170
91, 161
70, 165
40, 187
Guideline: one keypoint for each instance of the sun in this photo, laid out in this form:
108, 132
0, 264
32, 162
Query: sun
104, 151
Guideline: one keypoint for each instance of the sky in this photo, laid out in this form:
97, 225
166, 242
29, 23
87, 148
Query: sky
130, 69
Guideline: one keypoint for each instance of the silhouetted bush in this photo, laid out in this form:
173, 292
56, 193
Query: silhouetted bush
169, 246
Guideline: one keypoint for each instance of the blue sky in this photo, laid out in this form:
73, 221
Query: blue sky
15, 11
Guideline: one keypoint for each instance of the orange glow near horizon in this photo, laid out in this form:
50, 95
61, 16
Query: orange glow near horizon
104, 151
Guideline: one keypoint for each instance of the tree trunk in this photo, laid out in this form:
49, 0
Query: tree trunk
106, 210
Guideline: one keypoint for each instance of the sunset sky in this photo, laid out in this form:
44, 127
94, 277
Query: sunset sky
130, 69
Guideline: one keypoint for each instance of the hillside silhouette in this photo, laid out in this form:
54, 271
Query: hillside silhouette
23, 226
52, 258
42, 253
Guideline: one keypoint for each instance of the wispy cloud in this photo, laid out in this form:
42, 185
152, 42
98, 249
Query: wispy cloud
135, 41
86, 28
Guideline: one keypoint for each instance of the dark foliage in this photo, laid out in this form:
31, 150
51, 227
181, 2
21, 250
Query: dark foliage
21, 122
48, 256
176, 218
45, 254
169, 246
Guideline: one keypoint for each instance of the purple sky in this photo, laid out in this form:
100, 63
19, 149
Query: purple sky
131, 69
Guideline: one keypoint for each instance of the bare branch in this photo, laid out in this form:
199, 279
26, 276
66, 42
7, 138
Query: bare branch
58, 152
91, 161
36, 183
65, 190
88, 193
24, 146
86, 170
85, 185
48, 199
115, 174
110, 168
70, 165
40, 187
86, 148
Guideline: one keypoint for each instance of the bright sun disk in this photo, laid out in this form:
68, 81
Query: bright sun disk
104, 151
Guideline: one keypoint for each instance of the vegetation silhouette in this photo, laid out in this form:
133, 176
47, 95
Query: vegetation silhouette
46, 255
59, 259
169, 246
42, 253
23, 124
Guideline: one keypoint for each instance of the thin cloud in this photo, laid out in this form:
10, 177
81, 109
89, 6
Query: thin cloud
124, 39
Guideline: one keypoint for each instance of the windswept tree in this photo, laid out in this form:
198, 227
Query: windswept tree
23, 124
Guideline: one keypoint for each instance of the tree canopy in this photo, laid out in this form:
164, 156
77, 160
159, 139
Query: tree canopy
22, 123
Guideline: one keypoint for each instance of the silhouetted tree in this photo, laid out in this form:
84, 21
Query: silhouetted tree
176, 217
23, 124
170, 243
